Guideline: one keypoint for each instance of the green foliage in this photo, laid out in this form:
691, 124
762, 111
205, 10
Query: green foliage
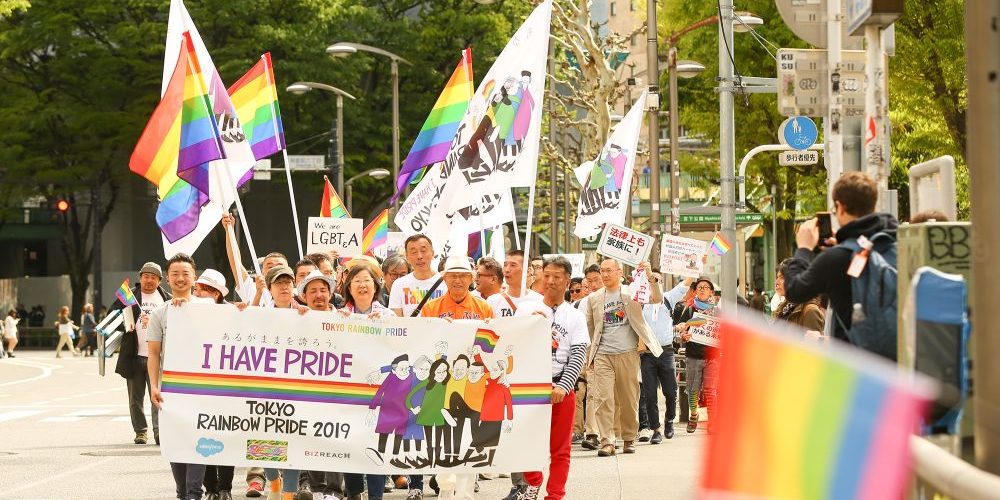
9, 6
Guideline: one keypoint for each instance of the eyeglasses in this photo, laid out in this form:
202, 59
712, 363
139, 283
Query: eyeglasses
396, 275
575, 290
362, 281
703, 288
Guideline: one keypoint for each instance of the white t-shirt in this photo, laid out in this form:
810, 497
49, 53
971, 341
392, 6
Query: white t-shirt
10, 327
569, 328
501, 308
408, 291
248, 290
147, 302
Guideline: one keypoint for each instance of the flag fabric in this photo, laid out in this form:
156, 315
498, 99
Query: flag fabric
174, 150
800, 421
331, 206
606, 182
486, 340
376, 233
255, 98
125, 295
438, 132
719, 244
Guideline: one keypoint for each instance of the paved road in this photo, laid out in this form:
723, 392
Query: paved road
65, 434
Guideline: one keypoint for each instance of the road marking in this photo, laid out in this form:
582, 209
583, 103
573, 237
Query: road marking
88, 413
50, 478
62, 419
13, 415
46, 369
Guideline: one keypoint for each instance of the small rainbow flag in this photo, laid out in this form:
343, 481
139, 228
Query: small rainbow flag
125, 295
836, 423
331, 205
486, 340
255, 98
719, 245
436, 135
376, 233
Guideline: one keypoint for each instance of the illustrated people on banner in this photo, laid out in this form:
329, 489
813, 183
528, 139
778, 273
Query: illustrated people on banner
430, 412
604, 184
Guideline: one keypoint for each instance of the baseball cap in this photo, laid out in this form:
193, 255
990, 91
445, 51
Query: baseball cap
457, 264
278, 271
151, 268
214, 279
313, 276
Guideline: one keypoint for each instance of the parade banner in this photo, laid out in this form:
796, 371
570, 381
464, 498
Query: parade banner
272, 388
393, 245
341, 235
682, 256
704, 329
577, 260
625, 245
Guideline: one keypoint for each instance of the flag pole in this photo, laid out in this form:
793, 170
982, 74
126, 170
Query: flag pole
284, 152
527, 240
243, 220
517, 237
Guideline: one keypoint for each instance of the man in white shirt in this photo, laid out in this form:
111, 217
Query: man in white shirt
489, 277
251, 289
409, 291
505, 304
658, 371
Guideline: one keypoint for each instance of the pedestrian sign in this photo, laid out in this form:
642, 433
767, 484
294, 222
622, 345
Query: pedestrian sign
798, 132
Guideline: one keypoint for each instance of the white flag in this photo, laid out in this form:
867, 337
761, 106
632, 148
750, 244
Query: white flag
606, 192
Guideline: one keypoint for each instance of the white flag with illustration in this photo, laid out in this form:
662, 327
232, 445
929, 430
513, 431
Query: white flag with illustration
607, 181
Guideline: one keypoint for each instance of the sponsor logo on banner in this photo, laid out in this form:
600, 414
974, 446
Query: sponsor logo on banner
268, 451
208, 447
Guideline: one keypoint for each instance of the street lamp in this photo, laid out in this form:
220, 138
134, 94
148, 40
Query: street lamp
374, 173
299, 88
683, 69
344, 49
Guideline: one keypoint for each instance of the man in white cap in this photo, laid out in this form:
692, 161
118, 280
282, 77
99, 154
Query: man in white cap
315, 291
458, 302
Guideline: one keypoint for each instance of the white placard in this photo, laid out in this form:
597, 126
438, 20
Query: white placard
576, 260
625, 245
704, 329
341, 235
682, 256
275, 388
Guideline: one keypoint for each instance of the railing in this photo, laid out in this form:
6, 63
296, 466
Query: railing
941, 473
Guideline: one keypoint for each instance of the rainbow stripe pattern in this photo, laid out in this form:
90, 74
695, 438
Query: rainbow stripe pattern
174, 149
719, 244
255, 98
435, 137
125, 295
799, 422
331, 206
486, 339
314, 391
376, 233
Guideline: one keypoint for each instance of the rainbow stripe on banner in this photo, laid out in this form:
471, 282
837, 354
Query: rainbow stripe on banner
125, 295
845, 435
256, 101
486, 339
313, 391
376, 233
719, 245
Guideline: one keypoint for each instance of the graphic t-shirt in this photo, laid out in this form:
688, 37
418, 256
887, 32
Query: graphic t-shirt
408, 291
569, 328
147, 302
502, 309
445, 307
618, 336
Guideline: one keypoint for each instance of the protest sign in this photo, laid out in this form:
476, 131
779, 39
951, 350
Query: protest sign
623, 244
641, 288
270, 387
682, 256
341, 235
576, 260
704, 329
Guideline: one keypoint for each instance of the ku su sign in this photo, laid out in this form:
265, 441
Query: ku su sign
624, 244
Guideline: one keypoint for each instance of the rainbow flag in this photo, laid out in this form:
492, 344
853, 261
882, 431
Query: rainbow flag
255, 97
435, 137
174, 149
331, 205
719, 245
376, 233
486, 339
800, 421
125, 295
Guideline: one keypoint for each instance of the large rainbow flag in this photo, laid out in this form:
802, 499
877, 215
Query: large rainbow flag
255, 98
331, 206
798, 421
376, 233
174, 149
435, 137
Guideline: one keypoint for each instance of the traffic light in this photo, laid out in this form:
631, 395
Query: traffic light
62, 206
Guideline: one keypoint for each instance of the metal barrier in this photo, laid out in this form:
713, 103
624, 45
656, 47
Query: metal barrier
938, 472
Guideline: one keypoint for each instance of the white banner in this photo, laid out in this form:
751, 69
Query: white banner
393, 245
704, 329
682, 256
576, 260
327, 233
273, 388
607, 181
624, 244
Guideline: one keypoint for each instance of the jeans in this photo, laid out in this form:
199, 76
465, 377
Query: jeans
187, 480
137, 385
219, 478
643, 419
659, 371
702, 375
328, 483
355, 485
289, 478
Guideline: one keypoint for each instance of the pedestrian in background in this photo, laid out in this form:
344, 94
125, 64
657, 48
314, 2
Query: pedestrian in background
65, 327
10, 331
88, 328
809, 315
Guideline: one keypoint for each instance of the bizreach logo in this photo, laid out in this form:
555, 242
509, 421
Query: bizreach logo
268, 451
208, 447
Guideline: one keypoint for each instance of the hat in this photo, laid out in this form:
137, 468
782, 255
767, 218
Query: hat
214, 279
457, 264
313, 276
706, 280
151, 268
278, 271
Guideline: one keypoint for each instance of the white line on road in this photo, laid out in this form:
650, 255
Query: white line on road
12, 415
44, 367
60, 475
62, 419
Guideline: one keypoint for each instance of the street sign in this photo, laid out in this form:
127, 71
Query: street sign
590, 243
741, 218
803, 77
859, 13
788, 158
307, 162
262, 170
808, 20
798, 132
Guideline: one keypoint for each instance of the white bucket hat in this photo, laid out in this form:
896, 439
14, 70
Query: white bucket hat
458, 264
214, 279
313, 276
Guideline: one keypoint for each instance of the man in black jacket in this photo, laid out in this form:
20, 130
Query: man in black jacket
811, 273
132, 357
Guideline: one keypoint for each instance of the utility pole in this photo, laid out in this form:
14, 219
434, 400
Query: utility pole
727, 151
653, 101
833, 154
874, 127
675, 160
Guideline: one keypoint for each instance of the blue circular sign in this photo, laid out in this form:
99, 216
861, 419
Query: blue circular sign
799, 132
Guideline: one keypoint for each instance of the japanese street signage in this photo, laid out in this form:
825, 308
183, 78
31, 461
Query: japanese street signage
803, 77
741, 218
798, 132
787, 158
